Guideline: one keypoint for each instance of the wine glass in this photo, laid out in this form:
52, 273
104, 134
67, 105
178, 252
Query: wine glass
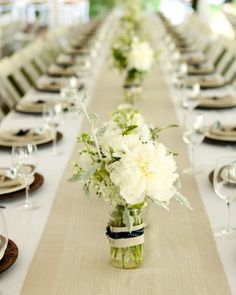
52, 116
224, 182
25, 160
3, 234
191, 96
193, 135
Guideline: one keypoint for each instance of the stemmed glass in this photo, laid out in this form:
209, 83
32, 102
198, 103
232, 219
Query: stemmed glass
25, 161
224, 182
52, 116
3, 235
191, 96
193, 135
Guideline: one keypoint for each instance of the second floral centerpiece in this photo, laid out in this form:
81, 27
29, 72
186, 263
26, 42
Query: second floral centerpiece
133, 56
126, 165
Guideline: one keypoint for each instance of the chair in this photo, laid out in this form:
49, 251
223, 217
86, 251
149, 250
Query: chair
11, 79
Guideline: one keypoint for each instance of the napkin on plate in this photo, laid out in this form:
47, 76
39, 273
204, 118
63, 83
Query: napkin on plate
31, 106
200, 69
221, 130
8, 179
58, 70
22, 135
217, 101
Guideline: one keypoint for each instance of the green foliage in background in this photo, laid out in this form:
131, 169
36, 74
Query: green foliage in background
100, 6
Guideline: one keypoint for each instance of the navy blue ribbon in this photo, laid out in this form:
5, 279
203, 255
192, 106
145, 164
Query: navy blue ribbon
124, 235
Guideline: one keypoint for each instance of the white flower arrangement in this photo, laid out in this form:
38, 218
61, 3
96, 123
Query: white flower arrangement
126, 165
141, 56
133, 55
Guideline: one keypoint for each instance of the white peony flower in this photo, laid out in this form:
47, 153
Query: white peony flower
145, 170
119, 143
140, 56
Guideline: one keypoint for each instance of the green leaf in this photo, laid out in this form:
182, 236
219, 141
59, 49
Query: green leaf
137, 206
75, 178
87, 174
128, 219
182, 200
172, 153
166, 127
129, 129
161, 204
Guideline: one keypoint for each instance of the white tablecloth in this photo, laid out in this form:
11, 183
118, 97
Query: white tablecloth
206, 156
26, 228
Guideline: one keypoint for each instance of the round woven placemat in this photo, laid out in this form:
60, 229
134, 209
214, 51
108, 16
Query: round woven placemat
210, 176
38, 182
9, 257
218, 142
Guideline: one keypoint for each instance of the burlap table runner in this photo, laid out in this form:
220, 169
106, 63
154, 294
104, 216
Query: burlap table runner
180, 252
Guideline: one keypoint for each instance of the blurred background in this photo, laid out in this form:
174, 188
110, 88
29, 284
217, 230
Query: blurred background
21, 21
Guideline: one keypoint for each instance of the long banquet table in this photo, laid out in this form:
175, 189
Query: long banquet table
63, 247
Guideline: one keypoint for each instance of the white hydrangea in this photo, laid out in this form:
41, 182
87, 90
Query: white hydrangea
145, 170
140, 56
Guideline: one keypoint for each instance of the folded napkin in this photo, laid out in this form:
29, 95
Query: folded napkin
36, 106
220, 130
31, 106
6, 180
24, 135
200, 69
211, 81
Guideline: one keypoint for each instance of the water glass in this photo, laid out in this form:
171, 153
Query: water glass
25, 161
224, 182
53, 117
193, 135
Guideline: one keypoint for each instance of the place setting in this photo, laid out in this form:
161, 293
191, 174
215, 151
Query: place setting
206, 81
18, 180
221, 101
36, 106
54, 85
221, 134
56, 70
8, 249
39, 135
11, 186
201, 69
20, 177
48, 133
